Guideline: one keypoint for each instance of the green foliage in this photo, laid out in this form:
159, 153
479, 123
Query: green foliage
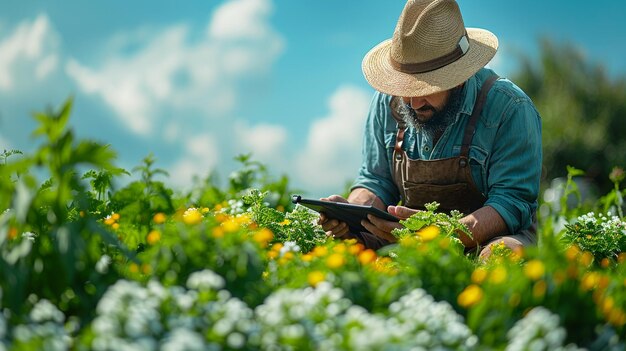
42, 234
140, 200
298, 226
448, 224
582, 110
237, 267
603, 236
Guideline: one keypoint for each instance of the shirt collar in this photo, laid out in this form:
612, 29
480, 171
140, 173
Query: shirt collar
470, 90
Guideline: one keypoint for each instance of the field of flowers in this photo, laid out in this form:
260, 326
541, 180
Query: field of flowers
87, 266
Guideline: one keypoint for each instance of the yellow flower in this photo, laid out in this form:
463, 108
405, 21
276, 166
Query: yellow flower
539, 289
498, 275
288, 255
320, 251
315, 278
12, 233
621, 258
607, 305
133, 268
339, 248
534, 269
115, 226
218, 232
429, 233
335, 261
230, 225
586, 258
367, 256
153, 237
605, 263
276, 247
604, 282
470, 296
220, 217
384, 265
479, 275
192, 216
115, 216
285, 222
159, 218
355, 249
109, 220
307, 257
572, 252
589, 281
205, 210
408, 241
263, 237
272, 254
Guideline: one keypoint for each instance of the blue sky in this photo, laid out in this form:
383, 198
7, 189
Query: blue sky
198, 82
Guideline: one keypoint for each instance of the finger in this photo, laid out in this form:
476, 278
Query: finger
330, 225
342, 231
377, 231
384, 225
336, 198
401, 212
322, 219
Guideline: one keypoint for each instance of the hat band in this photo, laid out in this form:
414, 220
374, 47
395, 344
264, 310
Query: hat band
431, 65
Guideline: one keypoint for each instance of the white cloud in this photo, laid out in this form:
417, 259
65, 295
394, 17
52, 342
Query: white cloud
241, 19
266, 142
333, 150
201, 156
171, 72
31, 47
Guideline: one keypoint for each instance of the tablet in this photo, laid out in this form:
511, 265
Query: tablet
352, 214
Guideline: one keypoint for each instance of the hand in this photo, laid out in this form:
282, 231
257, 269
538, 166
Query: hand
383, 228
333, 227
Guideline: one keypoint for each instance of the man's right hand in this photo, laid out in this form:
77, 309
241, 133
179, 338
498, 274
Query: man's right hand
333, 227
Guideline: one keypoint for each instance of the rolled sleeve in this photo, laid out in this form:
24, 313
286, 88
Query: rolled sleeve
515, 167
375, 172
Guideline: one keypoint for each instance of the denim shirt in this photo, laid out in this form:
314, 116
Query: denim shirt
505, 153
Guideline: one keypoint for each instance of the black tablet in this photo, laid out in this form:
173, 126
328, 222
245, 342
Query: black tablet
350, 213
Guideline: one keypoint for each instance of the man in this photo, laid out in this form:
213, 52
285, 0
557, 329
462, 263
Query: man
443, 128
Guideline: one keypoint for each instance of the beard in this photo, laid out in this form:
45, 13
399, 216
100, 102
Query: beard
440, 119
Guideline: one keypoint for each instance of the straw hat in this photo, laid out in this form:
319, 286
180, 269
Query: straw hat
431, 51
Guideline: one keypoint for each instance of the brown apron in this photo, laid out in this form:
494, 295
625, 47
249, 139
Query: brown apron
447, 181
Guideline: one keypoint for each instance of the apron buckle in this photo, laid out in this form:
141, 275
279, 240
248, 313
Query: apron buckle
463, 162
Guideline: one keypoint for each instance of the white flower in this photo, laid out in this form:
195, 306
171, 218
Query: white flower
205, 280
539, 330
181, 339
102, 266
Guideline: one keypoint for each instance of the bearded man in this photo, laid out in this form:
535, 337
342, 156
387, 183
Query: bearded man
442, 127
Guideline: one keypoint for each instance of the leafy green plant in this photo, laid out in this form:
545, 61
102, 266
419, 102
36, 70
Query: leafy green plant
48, 231
299, 225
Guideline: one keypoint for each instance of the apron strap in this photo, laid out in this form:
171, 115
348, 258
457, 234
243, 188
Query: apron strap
471, 124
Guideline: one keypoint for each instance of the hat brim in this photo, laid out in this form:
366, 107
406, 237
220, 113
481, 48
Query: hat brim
383, 77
